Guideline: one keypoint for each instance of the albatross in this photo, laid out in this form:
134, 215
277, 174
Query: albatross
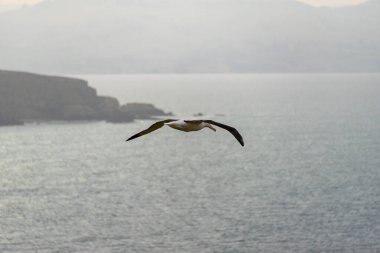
189, 126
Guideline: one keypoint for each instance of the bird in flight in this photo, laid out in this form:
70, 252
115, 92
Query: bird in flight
189, 126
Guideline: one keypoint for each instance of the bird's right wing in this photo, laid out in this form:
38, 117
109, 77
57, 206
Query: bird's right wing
152, 128
230, 129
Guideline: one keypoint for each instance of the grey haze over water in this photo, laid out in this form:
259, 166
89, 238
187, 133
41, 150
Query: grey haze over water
190, 36
307, 180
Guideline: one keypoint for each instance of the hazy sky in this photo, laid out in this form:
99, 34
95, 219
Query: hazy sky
6, 5
16, 3
239, 37
332, 2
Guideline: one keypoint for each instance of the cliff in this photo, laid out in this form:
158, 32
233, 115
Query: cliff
26, 96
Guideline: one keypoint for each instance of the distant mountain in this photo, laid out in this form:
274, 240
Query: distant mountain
129, 36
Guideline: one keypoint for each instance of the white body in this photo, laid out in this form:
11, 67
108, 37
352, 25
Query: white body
189, 126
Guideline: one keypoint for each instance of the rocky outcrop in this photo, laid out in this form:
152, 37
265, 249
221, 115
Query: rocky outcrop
26, 96
132, 111
107, 106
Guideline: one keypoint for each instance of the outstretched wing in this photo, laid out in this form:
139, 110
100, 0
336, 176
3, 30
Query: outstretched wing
152, 128
230, 129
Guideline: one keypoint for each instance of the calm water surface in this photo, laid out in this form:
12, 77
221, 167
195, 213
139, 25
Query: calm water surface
307, 180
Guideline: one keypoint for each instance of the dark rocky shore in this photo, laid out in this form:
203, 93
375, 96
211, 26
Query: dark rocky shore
32, 97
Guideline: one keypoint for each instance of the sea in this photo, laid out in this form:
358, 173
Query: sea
307, 180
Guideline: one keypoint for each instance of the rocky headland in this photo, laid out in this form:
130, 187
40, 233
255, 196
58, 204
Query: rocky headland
33, 97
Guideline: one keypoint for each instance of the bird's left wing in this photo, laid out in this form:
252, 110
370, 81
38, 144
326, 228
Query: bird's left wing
152, 128
230, 129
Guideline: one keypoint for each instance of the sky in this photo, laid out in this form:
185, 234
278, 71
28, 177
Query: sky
11, 4
231, 37
319, 3
6, 5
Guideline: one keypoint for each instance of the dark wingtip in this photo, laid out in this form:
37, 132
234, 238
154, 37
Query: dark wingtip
133, 137
239, 138
130, 138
